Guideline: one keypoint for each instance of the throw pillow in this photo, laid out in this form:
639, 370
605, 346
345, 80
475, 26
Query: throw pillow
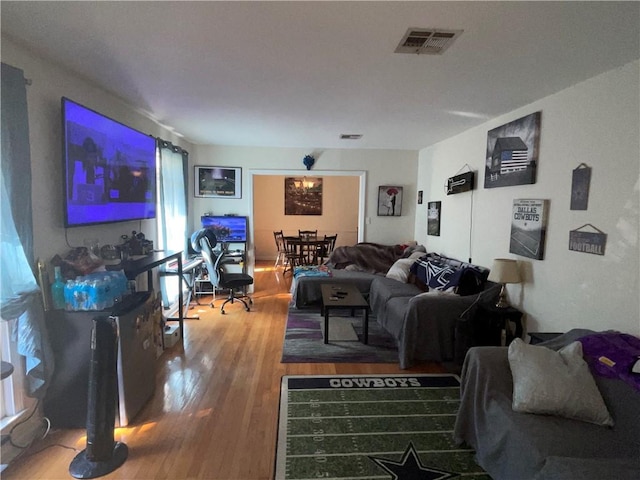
400, 269
555, 383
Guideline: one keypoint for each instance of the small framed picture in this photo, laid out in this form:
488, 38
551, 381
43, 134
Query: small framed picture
433, 218
218, 182
419, 197
389, 201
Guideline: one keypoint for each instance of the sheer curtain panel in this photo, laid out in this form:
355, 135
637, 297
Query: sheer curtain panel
172, 211
20, 296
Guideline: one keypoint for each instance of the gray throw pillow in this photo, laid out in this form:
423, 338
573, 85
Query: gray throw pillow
555, 383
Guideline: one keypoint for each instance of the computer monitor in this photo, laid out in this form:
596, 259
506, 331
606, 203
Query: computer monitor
227, 228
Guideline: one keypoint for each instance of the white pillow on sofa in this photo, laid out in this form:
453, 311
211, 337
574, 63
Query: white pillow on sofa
400, 269
555, 383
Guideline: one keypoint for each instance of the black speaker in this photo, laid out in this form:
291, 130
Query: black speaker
102, 454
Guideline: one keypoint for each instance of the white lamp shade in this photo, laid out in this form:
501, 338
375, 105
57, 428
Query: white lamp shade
504, 270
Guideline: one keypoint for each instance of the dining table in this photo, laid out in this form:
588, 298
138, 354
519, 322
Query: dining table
305, 251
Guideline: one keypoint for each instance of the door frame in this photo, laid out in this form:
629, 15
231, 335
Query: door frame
361, 174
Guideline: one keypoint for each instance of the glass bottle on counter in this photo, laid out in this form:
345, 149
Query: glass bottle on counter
57, 290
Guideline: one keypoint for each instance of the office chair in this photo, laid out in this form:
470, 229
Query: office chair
203, 241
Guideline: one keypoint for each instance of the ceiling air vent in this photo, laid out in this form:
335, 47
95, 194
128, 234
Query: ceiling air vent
350, 136
430, 41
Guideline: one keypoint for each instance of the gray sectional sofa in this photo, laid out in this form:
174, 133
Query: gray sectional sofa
425, 324
514, 445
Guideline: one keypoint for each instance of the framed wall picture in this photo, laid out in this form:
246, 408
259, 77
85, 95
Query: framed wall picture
512, 153
434, 210
218, 182
529, 227
303, 196
389, 201
419, 197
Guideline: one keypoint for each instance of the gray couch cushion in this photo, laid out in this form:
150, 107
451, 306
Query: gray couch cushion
384, 289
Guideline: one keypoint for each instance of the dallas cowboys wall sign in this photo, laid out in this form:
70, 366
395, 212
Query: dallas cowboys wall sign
580, 187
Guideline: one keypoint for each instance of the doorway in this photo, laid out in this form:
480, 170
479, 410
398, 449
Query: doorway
260, 202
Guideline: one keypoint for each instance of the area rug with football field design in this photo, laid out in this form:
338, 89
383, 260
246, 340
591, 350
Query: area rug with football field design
360, 427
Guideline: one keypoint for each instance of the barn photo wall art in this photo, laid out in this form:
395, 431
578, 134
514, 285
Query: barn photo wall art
512, 152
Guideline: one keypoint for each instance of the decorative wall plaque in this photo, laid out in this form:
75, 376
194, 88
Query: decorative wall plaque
580, 187
460, 183
588, 242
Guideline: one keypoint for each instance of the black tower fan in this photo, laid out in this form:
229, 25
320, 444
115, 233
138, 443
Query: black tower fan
102, 454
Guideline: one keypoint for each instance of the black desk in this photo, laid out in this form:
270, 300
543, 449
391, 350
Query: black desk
133, 268
189, 267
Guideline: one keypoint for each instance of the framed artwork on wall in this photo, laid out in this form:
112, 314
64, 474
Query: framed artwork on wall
434, 210
303, 196
218, 182
529, 227
419, 197
512, 153
389, 201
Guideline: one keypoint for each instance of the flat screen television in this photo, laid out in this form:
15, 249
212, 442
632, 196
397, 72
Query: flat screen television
109, 169
228, 229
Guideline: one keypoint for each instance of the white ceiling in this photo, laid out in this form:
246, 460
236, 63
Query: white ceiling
299, 74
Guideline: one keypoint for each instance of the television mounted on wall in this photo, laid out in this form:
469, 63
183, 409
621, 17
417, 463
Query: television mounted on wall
109, 169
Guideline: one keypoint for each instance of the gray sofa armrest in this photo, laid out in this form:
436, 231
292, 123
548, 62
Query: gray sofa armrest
563, 468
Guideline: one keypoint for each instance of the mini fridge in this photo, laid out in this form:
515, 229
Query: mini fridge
65, 403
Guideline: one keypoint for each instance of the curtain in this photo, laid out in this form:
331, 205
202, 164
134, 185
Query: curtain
172, 212
20, 295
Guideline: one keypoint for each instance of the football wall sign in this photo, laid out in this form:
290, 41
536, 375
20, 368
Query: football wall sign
588, 242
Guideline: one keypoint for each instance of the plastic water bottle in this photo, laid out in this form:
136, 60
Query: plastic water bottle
57, 290
96, 301
68, 295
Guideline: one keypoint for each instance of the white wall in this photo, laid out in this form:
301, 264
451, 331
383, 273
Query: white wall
382, 167
48, 84
595, 122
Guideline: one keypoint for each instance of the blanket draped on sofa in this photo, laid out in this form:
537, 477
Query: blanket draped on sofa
366, 257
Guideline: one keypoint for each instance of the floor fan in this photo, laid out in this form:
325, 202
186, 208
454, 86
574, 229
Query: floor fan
102, 454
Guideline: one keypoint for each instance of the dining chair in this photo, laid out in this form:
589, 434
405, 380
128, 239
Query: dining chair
308, 246
293, 255
325, 249
281, 252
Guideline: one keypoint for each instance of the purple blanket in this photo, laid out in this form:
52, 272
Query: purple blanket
612, 355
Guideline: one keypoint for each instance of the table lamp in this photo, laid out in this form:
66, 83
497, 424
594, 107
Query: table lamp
504, 271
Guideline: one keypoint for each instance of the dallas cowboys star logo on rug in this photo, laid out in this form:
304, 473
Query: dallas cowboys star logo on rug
410, 467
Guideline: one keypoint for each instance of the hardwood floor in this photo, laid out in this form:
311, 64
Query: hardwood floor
215, 409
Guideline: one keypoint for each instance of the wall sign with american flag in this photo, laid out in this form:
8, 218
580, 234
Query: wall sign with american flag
512, 153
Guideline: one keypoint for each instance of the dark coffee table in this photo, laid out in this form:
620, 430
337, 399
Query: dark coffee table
340, 296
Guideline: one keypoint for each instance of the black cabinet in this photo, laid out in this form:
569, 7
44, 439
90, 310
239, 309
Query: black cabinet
66, 399
490, 322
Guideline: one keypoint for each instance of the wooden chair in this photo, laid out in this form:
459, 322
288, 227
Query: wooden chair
292, 253
281, 255
327, 247
308, 246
